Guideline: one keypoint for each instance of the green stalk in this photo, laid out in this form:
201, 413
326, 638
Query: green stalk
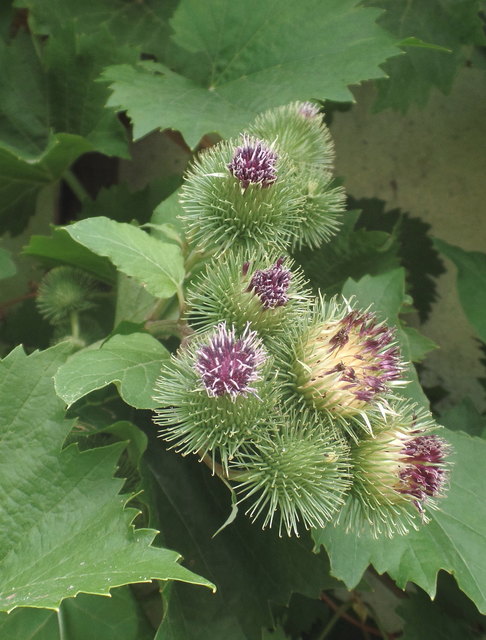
75, 185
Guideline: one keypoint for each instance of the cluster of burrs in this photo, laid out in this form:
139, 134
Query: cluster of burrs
291, 398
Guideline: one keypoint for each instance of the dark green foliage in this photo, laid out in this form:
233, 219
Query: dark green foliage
414, 247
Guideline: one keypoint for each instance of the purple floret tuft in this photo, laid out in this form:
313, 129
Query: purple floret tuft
228, 365
271, 285
254, 163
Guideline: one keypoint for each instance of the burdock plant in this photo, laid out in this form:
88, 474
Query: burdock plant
293, 401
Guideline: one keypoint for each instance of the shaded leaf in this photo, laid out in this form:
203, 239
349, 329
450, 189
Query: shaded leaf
250, 567
351, 254
60, 248
7, 265
93, 617
51, 112
246, 57
425, 619
452, 541
64, 529
471, 283
157, 265
132, 362
465, 417
140, 25
451, 25
415, 248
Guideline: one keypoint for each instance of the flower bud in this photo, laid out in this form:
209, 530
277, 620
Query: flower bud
341, 361
65, 290
265, 291
213, 395
299, 131
241, 194
398, 473
297, 475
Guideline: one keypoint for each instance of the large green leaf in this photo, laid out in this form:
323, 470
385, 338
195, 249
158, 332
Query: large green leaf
51, 112
131, 361
250, 567
93, 617
141, 25
157, 265
454, 540
60, 248
242, 58
424, 619
63, 526
385, 293
411, 77
471, 283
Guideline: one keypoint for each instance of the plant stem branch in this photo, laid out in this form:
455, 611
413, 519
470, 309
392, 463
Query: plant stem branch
335, 618
75, 185
74, 319
364, 627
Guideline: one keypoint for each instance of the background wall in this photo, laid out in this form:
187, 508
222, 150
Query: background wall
432, 164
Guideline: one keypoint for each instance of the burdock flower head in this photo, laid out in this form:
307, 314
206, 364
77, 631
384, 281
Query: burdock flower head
342, 361
254, 163
242, 194
271, 285
228, 365
297, 476
267, 291
299, 131
398, 473
214, 394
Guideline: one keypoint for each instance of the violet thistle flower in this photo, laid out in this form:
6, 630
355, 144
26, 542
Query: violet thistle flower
214, 395
271, 285
228, 365
342, 362
242, 194
398, 473
269, 292
254, 163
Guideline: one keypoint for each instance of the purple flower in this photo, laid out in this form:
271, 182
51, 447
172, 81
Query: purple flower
254, 163
308, 109
423, 474
271, 285
355, 360
228, 365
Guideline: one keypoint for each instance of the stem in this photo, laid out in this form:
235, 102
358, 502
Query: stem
62, 624
13, 301
337, 615
363, 627
218, 470
74, 318
75, 185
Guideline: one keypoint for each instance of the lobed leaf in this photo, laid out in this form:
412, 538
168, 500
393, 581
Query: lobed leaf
232, 55
63, 528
